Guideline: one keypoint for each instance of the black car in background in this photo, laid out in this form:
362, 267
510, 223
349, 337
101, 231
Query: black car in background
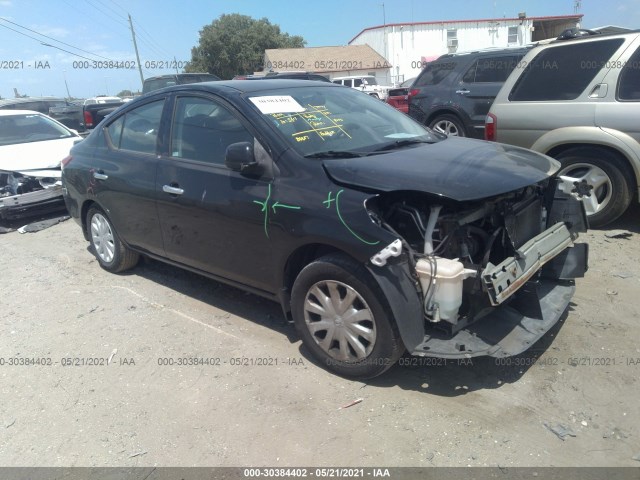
453, 94
375, 234
285, 76
161, 81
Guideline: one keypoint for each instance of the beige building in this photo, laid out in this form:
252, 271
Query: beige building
330, 61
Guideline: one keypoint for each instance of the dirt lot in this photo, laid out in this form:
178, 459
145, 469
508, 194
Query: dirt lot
261, 401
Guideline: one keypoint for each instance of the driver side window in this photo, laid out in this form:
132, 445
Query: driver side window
137, 130
203, 129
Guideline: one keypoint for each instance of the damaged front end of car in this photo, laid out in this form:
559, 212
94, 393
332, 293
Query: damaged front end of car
30, 193
491, 276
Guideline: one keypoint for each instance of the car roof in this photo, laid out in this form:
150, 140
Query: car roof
8, 113
16, 101
242, 86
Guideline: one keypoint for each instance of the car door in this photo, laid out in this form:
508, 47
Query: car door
480, 84
123, 175
212, 218
623, 112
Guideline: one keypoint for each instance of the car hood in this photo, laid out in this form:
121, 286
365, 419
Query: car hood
36, 159
456, 168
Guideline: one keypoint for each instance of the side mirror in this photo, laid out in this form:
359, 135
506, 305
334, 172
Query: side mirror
239, 157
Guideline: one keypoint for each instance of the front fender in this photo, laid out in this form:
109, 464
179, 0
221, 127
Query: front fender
399, 288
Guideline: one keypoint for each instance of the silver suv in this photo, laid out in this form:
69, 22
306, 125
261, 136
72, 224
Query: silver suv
578, 100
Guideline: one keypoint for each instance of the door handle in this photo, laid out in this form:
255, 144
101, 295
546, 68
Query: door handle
463, 91
100, 176
172, 190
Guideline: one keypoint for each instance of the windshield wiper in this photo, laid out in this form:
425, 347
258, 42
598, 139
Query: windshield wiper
397, 144
334, 154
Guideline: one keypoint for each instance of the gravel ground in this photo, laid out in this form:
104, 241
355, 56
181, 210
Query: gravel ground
255, 398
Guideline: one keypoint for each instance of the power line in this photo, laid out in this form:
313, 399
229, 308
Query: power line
45, 44
105, 13
50, 38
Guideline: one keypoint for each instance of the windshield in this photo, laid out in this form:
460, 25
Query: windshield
29, 128
370, 81
338, 121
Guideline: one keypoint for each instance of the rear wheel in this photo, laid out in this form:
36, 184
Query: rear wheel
112, 254
449, 125
603, 171
342, 318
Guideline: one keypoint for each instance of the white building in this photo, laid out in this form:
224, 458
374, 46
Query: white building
408, 45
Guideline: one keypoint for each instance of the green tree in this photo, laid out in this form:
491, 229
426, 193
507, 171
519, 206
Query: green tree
125, 93
234, 44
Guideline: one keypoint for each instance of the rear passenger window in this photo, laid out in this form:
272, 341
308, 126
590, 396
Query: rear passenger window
629, 86
434, 73
563, 72
203, 129
137, 130
491, 70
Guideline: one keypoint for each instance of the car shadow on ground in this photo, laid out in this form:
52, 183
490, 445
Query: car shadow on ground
448, 378
630, 220
451, 378
259, 310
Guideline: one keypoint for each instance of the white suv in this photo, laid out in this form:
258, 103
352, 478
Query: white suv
366, 83
578, 100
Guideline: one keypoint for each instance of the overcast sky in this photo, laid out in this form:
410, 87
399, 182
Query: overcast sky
166, 30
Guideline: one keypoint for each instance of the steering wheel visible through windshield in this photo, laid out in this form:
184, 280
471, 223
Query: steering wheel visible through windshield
325, 122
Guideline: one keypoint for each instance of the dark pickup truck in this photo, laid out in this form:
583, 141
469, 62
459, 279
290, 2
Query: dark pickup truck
83, 116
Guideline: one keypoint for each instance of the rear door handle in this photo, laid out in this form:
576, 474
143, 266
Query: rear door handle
463, 91
172, 190
100, 176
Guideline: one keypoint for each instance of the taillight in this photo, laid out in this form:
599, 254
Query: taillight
413, 92
88, 120
65, 161
490, 127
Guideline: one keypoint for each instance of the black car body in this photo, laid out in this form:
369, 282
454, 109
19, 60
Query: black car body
374, 233
453, 94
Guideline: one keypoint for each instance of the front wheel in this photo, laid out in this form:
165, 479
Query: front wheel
113, 255
343, 319
610, 194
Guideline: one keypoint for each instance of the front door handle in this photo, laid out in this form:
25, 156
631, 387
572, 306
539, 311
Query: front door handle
172, 190
100, 176
464, 91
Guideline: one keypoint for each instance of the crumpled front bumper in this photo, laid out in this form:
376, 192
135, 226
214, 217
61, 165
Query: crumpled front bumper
40, 202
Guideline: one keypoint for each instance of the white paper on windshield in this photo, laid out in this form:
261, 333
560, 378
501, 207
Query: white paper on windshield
277, 104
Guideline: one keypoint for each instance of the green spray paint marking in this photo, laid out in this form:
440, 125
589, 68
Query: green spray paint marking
328, 201
265, 209
283, 205
345, 224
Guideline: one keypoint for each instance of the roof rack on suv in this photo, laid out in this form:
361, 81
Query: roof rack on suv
571, 33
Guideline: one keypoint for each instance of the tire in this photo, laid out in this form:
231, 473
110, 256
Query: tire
374, 344
604, 171
112, 255
450, 125
375, 95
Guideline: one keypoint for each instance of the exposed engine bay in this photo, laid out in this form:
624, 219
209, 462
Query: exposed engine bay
20, 193
469, 257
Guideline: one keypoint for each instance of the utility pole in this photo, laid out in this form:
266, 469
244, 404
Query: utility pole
135, 46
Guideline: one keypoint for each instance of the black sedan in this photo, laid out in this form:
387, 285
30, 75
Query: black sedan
374, 233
